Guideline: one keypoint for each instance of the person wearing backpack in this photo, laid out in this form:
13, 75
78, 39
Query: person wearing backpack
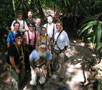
23, 24
30, 19
16, 62
45, 39
60, 45
51, 29
30, 38
11, 36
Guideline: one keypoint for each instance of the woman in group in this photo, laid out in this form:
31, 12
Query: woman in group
30, 38
43, 38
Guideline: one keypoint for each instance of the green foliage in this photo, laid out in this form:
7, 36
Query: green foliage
91, 30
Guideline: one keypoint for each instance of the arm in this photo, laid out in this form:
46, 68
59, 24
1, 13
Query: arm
25, 26
48, 58
8, 45
50, 45
37, 42
47, 63
12, 28
8, 40
66, 41
13, 64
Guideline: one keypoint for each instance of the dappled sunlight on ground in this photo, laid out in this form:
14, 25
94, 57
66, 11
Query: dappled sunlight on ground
78, 62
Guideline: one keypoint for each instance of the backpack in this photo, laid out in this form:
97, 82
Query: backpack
63, 88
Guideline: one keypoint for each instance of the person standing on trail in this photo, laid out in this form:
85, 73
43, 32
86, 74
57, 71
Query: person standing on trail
30, 19
38, 24
11, 36
23, 24
51, 28
61, 43
39, 61
16, 62
30, 38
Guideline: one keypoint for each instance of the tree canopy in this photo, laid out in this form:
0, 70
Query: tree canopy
75, 14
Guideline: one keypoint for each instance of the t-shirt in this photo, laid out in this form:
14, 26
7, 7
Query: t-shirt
38, 29
22, 23
62, 41
50, 28
34, 56
32, 37
12, 51
10, 38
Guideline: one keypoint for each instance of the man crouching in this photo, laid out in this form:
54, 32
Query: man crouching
39, 61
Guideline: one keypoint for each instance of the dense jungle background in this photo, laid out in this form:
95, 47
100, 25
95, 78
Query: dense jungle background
82, 20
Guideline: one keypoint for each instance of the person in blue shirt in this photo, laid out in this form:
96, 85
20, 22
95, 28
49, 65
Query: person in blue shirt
39, 61
12, 34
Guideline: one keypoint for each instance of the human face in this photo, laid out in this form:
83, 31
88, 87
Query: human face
38, 21
20, 16
43, 31
29, 14
18, 40
31, 27
42, 48
58, 26
49, 19
16, 27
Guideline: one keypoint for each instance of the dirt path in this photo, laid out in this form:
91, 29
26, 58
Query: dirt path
79, 60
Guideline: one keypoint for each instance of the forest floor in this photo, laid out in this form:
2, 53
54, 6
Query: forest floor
78, 62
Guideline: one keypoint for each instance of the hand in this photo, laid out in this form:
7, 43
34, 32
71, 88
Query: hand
17, 71
35, 70
44, 72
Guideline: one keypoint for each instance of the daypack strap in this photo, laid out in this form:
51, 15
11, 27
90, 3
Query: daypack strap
28, 37
45, 38
53, 32
18, 50
57, 40
12, 35
23, 24
35, 37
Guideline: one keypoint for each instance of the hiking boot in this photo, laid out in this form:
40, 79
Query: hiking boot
42, 86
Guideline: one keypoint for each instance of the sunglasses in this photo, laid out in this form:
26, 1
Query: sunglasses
30, 26
19, 38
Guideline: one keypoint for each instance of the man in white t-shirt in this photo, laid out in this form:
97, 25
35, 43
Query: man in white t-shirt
23, 24
61, 43
51, 27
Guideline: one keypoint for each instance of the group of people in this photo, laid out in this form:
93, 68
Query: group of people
36, 49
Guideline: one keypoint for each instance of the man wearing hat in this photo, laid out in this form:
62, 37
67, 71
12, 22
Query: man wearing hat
39, 61
16, 61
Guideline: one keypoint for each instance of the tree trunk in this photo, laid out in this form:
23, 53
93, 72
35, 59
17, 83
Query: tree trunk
40, 9
14, 9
